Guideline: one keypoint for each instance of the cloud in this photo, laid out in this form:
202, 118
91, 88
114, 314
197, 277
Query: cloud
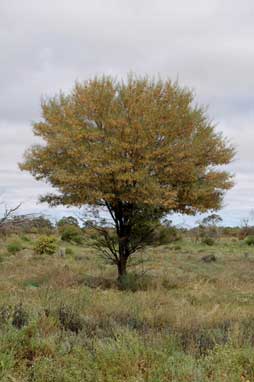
47, 45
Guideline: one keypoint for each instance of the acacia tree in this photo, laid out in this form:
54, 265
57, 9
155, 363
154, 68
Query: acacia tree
139, 147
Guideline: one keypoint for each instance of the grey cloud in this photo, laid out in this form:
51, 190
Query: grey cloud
207, 45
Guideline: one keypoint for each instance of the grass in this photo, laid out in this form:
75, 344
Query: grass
64, 319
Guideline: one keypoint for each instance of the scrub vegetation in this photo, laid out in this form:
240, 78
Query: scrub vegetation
177, 316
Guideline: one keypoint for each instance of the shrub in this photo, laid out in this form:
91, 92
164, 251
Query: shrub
70, 319
25, 238
176, 248
209, 258
16, 314
71, 233
134, 282
69, 251
5, 313
249, 240
14, 247
45, 245
20, 316
67, 220
208, 241
165, 235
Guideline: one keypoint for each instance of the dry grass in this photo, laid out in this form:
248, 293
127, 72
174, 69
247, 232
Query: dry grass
186, 321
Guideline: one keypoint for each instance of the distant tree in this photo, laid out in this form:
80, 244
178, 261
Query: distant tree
69, 229
211, 220
8, 213
68, 220
140, 148
246, 228
42, 224
30, 223
208, 227
7, 223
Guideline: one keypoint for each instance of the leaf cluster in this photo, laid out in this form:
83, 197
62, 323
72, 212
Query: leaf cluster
141, 141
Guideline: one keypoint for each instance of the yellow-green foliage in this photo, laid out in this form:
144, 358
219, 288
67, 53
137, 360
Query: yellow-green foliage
45, 245
71, 233
249, 240
141, 141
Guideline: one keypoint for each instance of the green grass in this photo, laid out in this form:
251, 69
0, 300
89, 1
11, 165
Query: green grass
176, 319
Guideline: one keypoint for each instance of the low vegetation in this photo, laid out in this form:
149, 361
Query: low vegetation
249, 240
174, 317
14, 246
45, 245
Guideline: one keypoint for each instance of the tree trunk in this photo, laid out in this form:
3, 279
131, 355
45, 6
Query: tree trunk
123, 230
122, 267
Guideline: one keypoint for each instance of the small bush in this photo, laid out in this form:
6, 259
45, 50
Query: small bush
25, 238
20, 316
16, 314
95, 282
5, 314
165, 235
134, 282
71, 233
176, 248
14, 247
45, 245
33, 283
169, 283
69, 251
249, 240
69, 319
67, 221
208, 241
209, 258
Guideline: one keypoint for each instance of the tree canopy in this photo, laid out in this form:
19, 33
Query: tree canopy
132, 145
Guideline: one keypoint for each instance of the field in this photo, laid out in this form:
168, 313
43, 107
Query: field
176, 318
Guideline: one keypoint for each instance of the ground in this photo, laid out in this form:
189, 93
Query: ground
64, 318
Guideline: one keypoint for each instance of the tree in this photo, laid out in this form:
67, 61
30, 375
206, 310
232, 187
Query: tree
7, 218
139, 147
32, 223
211, 220
246, 228
207, 228
67, 220
8, 213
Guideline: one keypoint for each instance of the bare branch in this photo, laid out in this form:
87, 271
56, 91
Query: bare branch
8, 213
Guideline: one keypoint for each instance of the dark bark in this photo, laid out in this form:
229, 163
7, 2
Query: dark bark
123, 231
122, 267
124, 250
131, 230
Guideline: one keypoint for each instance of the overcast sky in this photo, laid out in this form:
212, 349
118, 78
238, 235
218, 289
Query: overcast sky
208, 45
